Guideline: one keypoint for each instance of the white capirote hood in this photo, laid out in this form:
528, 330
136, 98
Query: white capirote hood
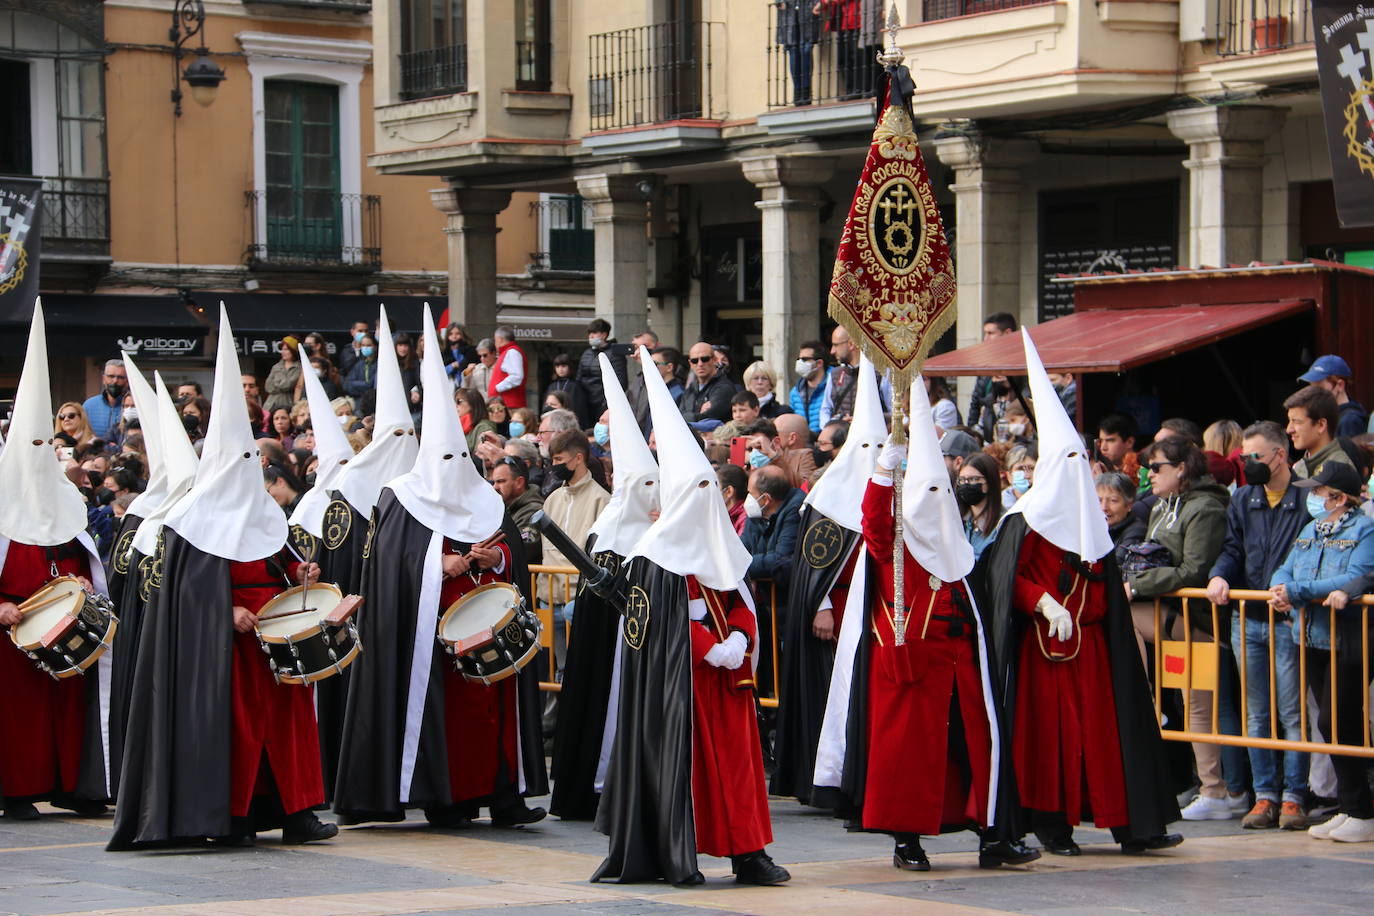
931, 525
331, 448
838, 494
635, 494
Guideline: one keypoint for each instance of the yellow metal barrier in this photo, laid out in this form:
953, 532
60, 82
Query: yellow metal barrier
1179, 663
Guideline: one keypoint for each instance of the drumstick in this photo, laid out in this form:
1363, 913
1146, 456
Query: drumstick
26, 608
28, 602
305, 610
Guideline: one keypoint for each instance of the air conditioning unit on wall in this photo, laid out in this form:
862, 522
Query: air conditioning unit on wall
1199, 20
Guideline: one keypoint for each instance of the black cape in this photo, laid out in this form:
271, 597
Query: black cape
126, 575
646, 807
820, 556
1149, 800
582, 702
174, 782
368, 785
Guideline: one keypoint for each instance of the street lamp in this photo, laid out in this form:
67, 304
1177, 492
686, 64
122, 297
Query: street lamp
203, 75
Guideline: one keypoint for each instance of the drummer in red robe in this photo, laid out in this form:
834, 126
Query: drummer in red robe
50, 749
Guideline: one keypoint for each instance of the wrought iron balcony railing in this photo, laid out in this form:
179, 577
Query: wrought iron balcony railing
1250, 26
814, 60
650, 74
434, 71
566, 233
76, 210
350, 6
314, 230
932, 10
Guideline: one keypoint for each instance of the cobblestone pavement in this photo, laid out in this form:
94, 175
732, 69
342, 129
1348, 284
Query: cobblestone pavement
59, 865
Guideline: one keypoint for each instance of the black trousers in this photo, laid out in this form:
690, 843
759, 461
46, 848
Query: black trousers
1353, 796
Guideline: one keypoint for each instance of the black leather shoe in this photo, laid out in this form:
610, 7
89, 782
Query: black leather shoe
452, 817
517, 817
82, 807
1062, 848
1006, 852
20, 810
1159, 841
758, 868
909, 856
305, 827
694, 879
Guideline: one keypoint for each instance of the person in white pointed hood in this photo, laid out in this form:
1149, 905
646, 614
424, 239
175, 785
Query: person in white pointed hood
1075, 700
823, 562
218, 563
50, 752
586, 704
678, 786
440, 532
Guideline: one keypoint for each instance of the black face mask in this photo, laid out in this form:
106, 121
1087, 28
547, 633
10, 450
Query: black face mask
970, 494
1256, 472
821, 456
310, 480
113, 390
562, 472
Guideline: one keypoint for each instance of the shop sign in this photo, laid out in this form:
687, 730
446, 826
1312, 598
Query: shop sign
136, 345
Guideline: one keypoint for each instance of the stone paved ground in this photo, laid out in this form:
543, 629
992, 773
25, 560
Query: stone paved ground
59, 865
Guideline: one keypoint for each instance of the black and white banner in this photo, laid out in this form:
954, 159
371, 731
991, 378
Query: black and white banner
20, 209
1345, 45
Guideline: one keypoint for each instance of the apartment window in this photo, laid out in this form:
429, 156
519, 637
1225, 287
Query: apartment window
565, 233
532, 46
304, 206
434, 51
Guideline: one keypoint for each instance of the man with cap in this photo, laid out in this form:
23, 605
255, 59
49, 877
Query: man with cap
686, 771
1333, 373
50, 730
955, 446
239, 752
822, 566
586, 703
417, 734
1084, 736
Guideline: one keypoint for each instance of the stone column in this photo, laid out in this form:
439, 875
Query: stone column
1225, 180
790, 204
620, 216
987, 248
471, 232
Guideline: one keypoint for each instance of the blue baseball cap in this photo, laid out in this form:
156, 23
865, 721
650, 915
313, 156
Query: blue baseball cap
1325, 367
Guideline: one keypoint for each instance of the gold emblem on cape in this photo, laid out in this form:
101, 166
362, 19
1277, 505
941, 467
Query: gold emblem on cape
371, 530
338, 522
822, 543
935, 583
636, 618
150, 570
123, 552
305, 543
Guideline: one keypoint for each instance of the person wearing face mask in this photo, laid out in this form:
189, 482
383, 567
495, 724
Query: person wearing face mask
813, 382
601, 436
784, 442
1019, 474
353, 352
105, 409
362, 375
599, 340
1263, 517
734, 489
1330, 563
978, 489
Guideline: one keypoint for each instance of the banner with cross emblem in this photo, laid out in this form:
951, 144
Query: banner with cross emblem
20, 242
1345, 69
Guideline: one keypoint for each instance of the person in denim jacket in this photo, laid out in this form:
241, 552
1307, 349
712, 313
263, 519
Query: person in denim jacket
1328, 565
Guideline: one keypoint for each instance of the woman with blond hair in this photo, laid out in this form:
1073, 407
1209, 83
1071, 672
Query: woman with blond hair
71, 427
760, 379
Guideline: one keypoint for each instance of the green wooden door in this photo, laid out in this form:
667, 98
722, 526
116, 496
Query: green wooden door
304, 211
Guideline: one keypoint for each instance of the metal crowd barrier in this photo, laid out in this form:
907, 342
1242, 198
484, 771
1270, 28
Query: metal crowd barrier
1190, 664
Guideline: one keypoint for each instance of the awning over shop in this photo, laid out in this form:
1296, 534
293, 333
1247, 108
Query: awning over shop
1114, 340
102, 325
270, 314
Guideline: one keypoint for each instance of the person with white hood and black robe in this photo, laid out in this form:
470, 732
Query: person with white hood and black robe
52, 732
1084, 736
581, 741
686, 771
417, 734
822, 569
172, 465
239, 753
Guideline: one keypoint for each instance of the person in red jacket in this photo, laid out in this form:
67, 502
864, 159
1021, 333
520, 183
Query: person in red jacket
508, 376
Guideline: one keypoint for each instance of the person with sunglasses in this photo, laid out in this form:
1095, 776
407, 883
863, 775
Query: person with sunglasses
705, 402
70, 428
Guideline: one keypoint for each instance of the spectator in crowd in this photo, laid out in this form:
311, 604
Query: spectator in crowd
477, 375
1067, 389
524, 423
957, 446
409, 363
1116, 438
838, 401
558, 400
300, 415
723, 363
498, 415
315, 345
508, 375
635, 391
978, 488
981, 412
198, 409
459, 353
121, 505
942, 408
774, 509
283, 486
760, 380
1189, 523
830, 440
705, 403
744, 411
1331, 562
328, 376
354, 351
528, 452
589, 370
1264, 516
119, 481
813, 382
472, 414
1333, 373
189, 390
1221, 447
796, 32
575, 395
1018, 473
1014, 426
70, 426
280, 430
511, 478
1116, 494
1312, 417
734, 488
284, 378
1180, 427
671, 365
785, 443
362, 375
554, 422
105, 409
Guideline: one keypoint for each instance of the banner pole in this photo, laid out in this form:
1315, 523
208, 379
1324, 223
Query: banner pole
899, 408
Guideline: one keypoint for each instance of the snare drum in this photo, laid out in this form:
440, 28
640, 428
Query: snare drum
310, 643
65, 627
490, 633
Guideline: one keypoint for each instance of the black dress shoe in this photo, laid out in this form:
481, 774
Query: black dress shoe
909, 856
1062, 847
692, 880
305, 827
83, 807
517, 817
20, 810
1006, 852
451, 817
758, 868
1159, 841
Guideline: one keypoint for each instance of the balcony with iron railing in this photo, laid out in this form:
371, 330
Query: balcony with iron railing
566, 235
1253, 26
302, 230
434, 71
75, 229
347, 6
650, 75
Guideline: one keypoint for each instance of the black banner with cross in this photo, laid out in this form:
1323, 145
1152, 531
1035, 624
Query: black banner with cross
20, 242
1344, 31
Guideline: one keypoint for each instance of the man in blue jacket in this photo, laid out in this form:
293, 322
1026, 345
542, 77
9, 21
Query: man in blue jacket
812, 382
1262, 520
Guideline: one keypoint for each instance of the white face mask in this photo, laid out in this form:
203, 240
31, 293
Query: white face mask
804, 367
752, 508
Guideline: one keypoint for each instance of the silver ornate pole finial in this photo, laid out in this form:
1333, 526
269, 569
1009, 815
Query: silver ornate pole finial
892, 55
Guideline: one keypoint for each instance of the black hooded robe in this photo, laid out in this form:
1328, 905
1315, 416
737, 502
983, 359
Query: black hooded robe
126, 576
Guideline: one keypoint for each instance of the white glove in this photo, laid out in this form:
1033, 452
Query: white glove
1061, 621
892, 455
728, 654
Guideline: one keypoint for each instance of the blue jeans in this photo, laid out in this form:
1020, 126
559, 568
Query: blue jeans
799, 65
1264, 764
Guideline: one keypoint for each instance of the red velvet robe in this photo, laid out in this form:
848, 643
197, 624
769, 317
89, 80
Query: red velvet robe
729, 795
1066, 748
480, 722
42, 720
274, 740
916, 781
